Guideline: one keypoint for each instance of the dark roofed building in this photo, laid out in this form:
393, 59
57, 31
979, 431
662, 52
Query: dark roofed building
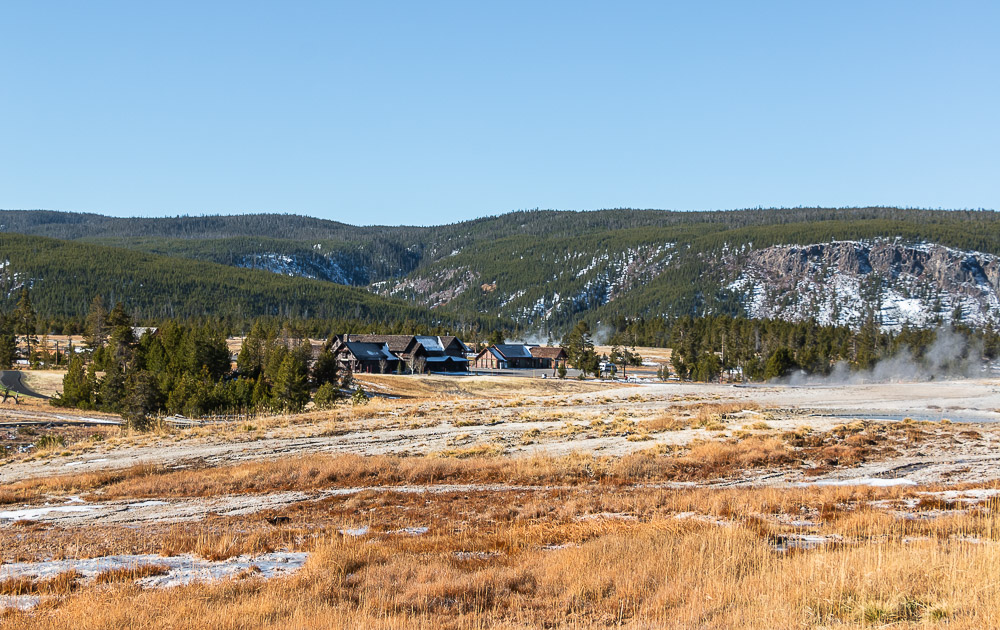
400, 345
548, 357
358, 356
422, 353
505, 356
443, 354
516, 356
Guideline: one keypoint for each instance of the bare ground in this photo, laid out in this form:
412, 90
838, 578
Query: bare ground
596, 419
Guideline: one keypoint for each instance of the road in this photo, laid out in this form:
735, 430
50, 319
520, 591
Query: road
14, 381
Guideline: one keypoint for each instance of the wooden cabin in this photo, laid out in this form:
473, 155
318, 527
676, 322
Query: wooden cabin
419, 353
548, 357
371, 358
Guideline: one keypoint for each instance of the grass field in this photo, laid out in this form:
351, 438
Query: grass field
486, 502
437, 387
575, 549
45, 382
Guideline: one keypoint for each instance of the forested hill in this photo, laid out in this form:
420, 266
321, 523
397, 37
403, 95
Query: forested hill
547, 269
65, 276
549, 223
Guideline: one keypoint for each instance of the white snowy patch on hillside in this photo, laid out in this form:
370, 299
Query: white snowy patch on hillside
845, 282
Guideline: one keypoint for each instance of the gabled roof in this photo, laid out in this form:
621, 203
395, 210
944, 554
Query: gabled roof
513, 351
396, 343
370, 351
548, 352
440, 345
430, 344
448, 340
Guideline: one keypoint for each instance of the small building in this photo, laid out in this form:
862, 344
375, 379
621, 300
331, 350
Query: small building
371, 358
418, 353
505, 356
548, 357
443, 354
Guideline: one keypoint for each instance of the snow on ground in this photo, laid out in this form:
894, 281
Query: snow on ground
34, 513
181, 570
865, 481
19, 602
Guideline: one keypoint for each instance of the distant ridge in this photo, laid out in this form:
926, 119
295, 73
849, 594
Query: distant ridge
547, 268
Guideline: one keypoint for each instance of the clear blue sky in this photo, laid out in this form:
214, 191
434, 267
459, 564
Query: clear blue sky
424, 112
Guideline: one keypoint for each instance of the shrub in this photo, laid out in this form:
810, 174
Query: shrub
50, 441
326, 396
359, 397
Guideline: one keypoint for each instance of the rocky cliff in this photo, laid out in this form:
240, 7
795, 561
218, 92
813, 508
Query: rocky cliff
847, 282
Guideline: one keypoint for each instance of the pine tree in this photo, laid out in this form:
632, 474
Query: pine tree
325, 369
112, 389
579, 345
95, 326
326, 396
261, 396
25, 318
141, 400
291, 385
8, 342
779, 364
78, 390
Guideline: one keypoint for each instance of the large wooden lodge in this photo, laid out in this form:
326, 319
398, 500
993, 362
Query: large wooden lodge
507, 356
416, 353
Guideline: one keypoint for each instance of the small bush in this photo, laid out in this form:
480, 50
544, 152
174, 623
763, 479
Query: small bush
326, 396
359, 397
48, 442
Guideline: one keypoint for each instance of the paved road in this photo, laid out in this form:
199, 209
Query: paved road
14, 381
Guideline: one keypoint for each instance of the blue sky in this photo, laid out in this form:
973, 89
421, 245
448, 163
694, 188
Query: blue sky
423, 113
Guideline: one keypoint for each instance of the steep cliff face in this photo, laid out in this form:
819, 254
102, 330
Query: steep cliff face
848, 282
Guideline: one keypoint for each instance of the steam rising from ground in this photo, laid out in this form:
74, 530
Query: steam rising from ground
950, 356
600, 336
535, 338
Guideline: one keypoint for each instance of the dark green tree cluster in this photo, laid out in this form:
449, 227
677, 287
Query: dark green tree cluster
705, 348
186, 370
175, 369
67, 274
580, 351
8, 341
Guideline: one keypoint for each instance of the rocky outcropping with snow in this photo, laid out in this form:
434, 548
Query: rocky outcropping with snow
848, 282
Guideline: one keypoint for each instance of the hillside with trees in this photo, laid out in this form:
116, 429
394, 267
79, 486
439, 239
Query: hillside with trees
541, 271
64, 276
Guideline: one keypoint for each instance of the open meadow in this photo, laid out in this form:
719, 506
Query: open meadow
470, 502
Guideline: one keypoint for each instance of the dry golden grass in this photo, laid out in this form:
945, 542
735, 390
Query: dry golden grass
573, 541
580, 555
60, 584
472, 387
711, 416
475, 464
130, 574
665, 573
44, 382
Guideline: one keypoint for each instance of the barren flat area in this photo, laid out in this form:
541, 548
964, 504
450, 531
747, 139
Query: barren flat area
516, 417
488, 501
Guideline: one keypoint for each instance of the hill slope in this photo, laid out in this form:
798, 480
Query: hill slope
546, 269
64, 276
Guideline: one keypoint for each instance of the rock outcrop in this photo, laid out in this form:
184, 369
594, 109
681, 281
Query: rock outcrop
848, 282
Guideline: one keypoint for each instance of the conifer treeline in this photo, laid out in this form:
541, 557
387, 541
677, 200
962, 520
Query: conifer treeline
703, 348
510, 267
65, 275
187, 370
